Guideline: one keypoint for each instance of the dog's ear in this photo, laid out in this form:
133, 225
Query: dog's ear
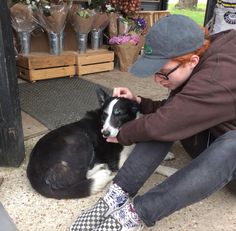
102, 96
135, 107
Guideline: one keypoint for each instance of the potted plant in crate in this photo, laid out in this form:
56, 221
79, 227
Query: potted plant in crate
127, 46
130, 32
99, 24
52, 15
82, 21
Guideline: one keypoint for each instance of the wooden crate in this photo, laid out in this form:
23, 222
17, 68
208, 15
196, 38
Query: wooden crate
39, 66
158, 14
94, 61
148, 17
152, 16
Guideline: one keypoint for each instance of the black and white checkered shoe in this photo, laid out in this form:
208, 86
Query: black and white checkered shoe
122, 219
91, 219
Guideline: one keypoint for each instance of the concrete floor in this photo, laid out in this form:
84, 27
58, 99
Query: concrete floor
32, 212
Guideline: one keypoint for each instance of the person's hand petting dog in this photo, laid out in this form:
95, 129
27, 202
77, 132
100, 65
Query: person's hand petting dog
125, 93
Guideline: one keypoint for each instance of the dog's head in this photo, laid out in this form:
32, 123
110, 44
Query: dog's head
115, 112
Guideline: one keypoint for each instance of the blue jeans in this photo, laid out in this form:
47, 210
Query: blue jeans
209, 171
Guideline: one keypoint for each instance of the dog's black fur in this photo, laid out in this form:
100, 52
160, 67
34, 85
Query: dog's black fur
60, 160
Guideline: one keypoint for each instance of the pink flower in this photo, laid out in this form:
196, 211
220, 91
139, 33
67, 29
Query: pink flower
123, 39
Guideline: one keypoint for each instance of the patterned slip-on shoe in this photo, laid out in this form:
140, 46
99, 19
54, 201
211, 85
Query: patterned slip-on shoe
122, 219
91, 219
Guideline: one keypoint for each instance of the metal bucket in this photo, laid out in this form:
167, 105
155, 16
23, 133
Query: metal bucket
25, 40
61, 41
82, 41
56, 42
96, 39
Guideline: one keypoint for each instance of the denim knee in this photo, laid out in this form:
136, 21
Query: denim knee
227, 144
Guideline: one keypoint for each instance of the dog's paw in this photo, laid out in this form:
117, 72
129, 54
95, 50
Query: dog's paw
103, 174
100, 180
95, 169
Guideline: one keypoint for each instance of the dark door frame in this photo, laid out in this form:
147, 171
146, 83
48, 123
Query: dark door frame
209, 10
11, 134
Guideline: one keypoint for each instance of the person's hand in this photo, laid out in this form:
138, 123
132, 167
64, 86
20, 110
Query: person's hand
125, 93
112, 140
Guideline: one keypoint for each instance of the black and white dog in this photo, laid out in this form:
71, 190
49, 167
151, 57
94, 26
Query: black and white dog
75, 160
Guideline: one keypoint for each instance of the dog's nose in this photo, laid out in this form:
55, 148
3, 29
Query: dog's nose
106, 133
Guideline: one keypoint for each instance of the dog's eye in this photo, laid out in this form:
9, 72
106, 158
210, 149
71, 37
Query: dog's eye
117, 112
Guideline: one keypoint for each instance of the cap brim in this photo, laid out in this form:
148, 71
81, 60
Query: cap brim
145, 67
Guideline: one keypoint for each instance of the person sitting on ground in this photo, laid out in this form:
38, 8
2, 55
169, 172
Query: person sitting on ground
200, 112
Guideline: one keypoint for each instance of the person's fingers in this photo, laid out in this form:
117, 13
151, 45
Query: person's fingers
120, 92
116, 92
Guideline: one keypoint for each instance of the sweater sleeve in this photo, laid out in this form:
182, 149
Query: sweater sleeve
148, 106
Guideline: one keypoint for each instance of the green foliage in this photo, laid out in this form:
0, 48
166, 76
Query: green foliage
83, 13
197, 15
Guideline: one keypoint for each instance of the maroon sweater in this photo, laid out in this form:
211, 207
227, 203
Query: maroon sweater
206, 101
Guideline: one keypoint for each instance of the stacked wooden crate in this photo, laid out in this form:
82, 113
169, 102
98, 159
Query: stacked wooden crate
94, 61
152, 16
39, 66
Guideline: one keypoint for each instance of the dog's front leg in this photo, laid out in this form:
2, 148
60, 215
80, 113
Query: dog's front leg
100, 178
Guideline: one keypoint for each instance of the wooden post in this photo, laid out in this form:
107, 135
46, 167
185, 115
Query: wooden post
11, 133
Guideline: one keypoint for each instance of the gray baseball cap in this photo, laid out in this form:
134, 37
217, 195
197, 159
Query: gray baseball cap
170, 37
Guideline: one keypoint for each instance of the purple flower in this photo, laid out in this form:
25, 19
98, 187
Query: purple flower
141, 23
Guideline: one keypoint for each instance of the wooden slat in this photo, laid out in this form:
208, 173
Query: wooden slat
22, 73
44, 60
22, 61
100, 67
152, 16
92, 57
52, 73
49, 73
157, 15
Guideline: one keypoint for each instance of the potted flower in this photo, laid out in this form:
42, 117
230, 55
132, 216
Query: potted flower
82, 21
52, 15
23, 22
127, 46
